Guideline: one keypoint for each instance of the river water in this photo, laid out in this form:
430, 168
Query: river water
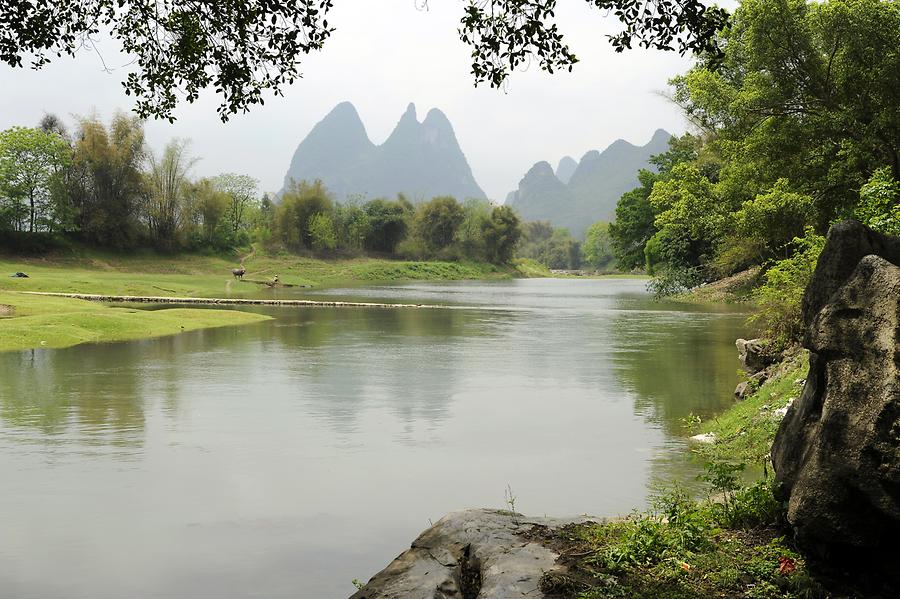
287, 458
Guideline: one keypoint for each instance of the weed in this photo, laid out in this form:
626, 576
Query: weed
723, 478
511, 503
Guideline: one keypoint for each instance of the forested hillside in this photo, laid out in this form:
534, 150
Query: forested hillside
797, 127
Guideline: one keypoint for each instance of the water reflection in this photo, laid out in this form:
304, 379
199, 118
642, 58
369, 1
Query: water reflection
286, 458
676, 363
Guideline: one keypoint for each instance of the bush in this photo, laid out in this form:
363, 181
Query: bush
674, 529
298, 205
780, 297
879, 203
753, 506
774, 219
672, 280
387, 224
437, 222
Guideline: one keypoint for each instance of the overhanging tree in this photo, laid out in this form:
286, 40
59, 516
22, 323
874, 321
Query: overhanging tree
242, 48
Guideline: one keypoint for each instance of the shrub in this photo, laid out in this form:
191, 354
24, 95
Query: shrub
879, 203
675, 528
300, 202
780, 296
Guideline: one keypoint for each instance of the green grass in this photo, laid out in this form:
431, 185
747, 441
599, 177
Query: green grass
682, 549
52, 322
745, 432
87, 271
62, 322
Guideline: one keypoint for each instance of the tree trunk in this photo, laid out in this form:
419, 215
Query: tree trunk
31, 222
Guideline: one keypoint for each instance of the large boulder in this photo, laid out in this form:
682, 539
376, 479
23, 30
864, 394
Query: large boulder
837, 451
483, 554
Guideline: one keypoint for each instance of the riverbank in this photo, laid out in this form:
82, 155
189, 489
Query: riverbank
30, 321
192, 275
729, 544
737, 288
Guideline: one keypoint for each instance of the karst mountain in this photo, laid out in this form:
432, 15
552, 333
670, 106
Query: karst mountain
578, 194
419, 159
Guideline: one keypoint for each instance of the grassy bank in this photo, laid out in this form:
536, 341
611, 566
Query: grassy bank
207, 276
745, 432
51, 322
728, 545
89, 271
737, 288
684, 549
29, 321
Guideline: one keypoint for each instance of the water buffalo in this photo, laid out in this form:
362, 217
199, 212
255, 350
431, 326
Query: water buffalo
238, 272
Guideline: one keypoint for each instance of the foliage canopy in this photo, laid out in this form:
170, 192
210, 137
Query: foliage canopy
243, 48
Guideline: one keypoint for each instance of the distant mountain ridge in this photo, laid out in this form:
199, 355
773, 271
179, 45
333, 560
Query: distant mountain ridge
575, 198
421, 160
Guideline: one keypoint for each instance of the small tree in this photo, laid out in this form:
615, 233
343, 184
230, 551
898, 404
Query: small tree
210, 207
321, 232
298, 205
501, 234
388, 224
243, 192
597, 247
437, 221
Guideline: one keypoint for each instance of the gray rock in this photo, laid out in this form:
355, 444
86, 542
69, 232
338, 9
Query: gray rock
467, 555
848, 242
837, 450
746, 388
743, 390
755, 355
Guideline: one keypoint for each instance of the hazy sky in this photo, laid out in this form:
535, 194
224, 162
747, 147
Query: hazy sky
384, 55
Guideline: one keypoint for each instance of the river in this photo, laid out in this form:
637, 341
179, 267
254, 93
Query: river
287, 458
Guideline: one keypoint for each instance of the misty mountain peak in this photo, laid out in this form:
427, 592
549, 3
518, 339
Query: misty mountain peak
661, 136
540, 169
410, 112
422, 160
566, 168
591, 190
437, 119
620, 145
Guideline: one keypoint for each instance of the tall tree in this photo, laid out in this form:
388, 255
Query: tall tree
31, 168
167, 183
806, 90
243, 192
105, 184
501, 232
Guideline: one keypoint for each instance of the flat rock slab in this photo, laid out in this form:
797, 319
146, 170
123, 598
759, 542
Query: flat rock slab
471, 554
